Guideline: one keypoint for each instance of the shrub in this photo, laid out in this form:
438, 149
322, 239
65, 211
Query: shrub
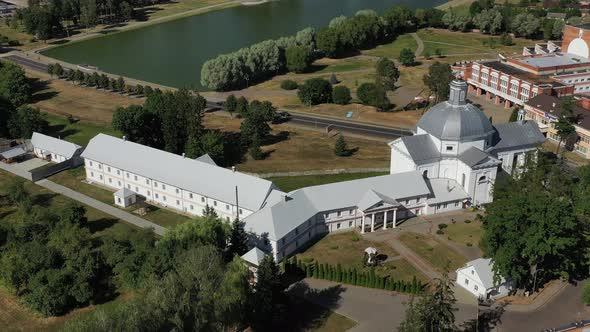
440, 231
469, 244
333, 247
407, 57
341, 95
289, 85
355, 238
315, 91
467, 221
442, 226
373, 95
13, 43
341, 148
308, 259
298, 58
586, 294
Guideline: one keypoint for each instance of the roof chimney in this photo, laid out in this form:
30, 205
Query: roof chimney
233, 169
183, 155
124, 137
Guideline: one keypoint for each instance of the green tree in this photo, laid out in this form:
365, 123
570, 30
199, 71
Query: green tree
139, 125
407, 57
231, 299
586, 294
268, 294
489, 21
415, 313
525, 25
373, 95
299, 58
17, 193
398, 19
438, 79
386, 73
543, 236
315, 91
341, 95
341, 148
25, 121
238, 239
14, 85
328, 42
231, 102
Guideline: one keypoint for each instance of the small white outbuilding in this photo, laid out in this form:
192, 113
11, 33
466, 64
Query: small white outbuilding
477, 277
125, 197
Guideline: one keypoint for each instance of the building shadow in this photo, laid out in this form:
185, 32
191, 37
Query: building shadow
486, 321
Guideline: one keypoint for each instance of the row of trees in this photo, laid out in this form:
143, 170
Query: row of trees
99, 81
350, 276
508, 18
538, 225
259, 61
54, 18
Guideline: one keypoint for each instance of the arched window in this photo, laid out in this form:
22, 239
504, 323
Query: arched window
482, 179
425, 174
463, 180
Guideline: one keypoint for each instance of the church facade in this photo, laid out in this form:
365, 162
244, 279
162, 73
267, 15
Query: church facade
450, 163
456, 142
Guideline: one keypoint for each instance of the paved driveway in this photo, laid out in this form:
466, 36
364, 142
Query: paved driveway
31, 164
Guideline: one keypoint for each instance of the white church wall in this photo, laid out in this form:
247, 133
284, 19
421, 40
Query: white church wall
480, 144
400, 160
448, 169
464, 176
449, 147
431, 170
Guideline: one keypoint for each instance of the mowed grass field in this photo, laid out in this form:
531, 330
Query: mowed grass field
290, 183
439, 255
347, 249
463, 233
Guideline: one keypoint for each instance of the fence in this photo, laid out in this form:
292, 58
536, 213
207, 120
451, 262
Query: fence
320, 172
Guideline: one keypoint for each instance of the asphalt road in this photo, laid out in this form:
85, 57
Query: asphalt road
349, 126
27, 63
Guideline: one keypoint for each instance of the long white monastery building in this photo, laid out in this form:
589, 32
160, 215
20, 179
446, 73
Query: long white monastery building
450, 163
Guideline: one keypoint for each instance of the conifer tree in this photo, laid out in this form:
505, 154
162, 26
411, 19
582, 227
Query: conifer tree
238, 239
316, 269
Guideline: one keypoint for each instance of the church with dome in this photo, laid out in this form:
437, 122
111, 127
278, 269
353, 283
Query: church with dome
455, 141
451, 162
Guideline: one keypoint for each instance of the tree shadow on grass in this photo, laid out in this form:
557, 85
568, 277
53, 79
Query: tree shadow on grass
43, 200
101, 224
315, 68
309, 308
486, 321
60, 131
142, 14
41, 91
274, 139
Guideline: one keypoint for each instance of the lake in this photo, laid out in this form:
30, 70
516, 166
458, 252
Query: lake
172, 53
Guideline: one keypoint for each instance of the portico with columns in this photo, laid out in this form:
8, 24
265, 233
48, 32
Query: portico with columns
373, 218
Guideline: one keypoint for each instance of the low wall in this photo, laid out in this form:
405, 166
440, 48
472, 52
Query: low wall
320, 172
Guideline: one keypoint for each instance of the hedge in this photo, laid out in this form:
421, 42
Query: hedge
350, 276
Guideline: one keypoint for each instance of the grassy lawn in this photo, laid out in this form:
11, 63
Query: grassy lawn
451, 42
341, 65
437, 254
73, 178
393, 49
63, 98
290, 183
463, 233
348, 248
78, 132
310, 317
293, 149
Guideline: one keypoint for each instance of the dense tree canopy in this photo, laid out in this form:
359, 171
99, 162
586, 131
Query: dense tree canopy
315, 91
14, 85
373, 94
532, 224
386, 73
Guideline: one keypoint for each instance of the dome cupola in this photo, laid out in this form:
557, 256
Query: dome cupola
455, 119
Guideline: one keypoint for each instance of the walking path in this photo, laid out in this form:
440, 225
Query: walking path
113, 211
420, 43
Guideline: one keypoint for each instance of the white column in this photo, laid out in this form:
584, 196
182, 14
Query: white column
394, 217
363, 223
372, 222
385, 220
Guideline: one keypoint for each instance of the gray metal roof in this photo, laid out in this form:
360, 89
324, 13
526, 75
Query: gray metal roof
254, 256
206, 159
185, 173
446, 190
14, 152
474, 157
372, 198
124, 193
484, 269
456, 120
421, 148
54, 145
514, 135
279, 219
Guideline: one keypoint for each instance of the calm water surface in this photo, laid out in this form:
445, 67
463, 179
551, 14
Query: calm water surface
172, 53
